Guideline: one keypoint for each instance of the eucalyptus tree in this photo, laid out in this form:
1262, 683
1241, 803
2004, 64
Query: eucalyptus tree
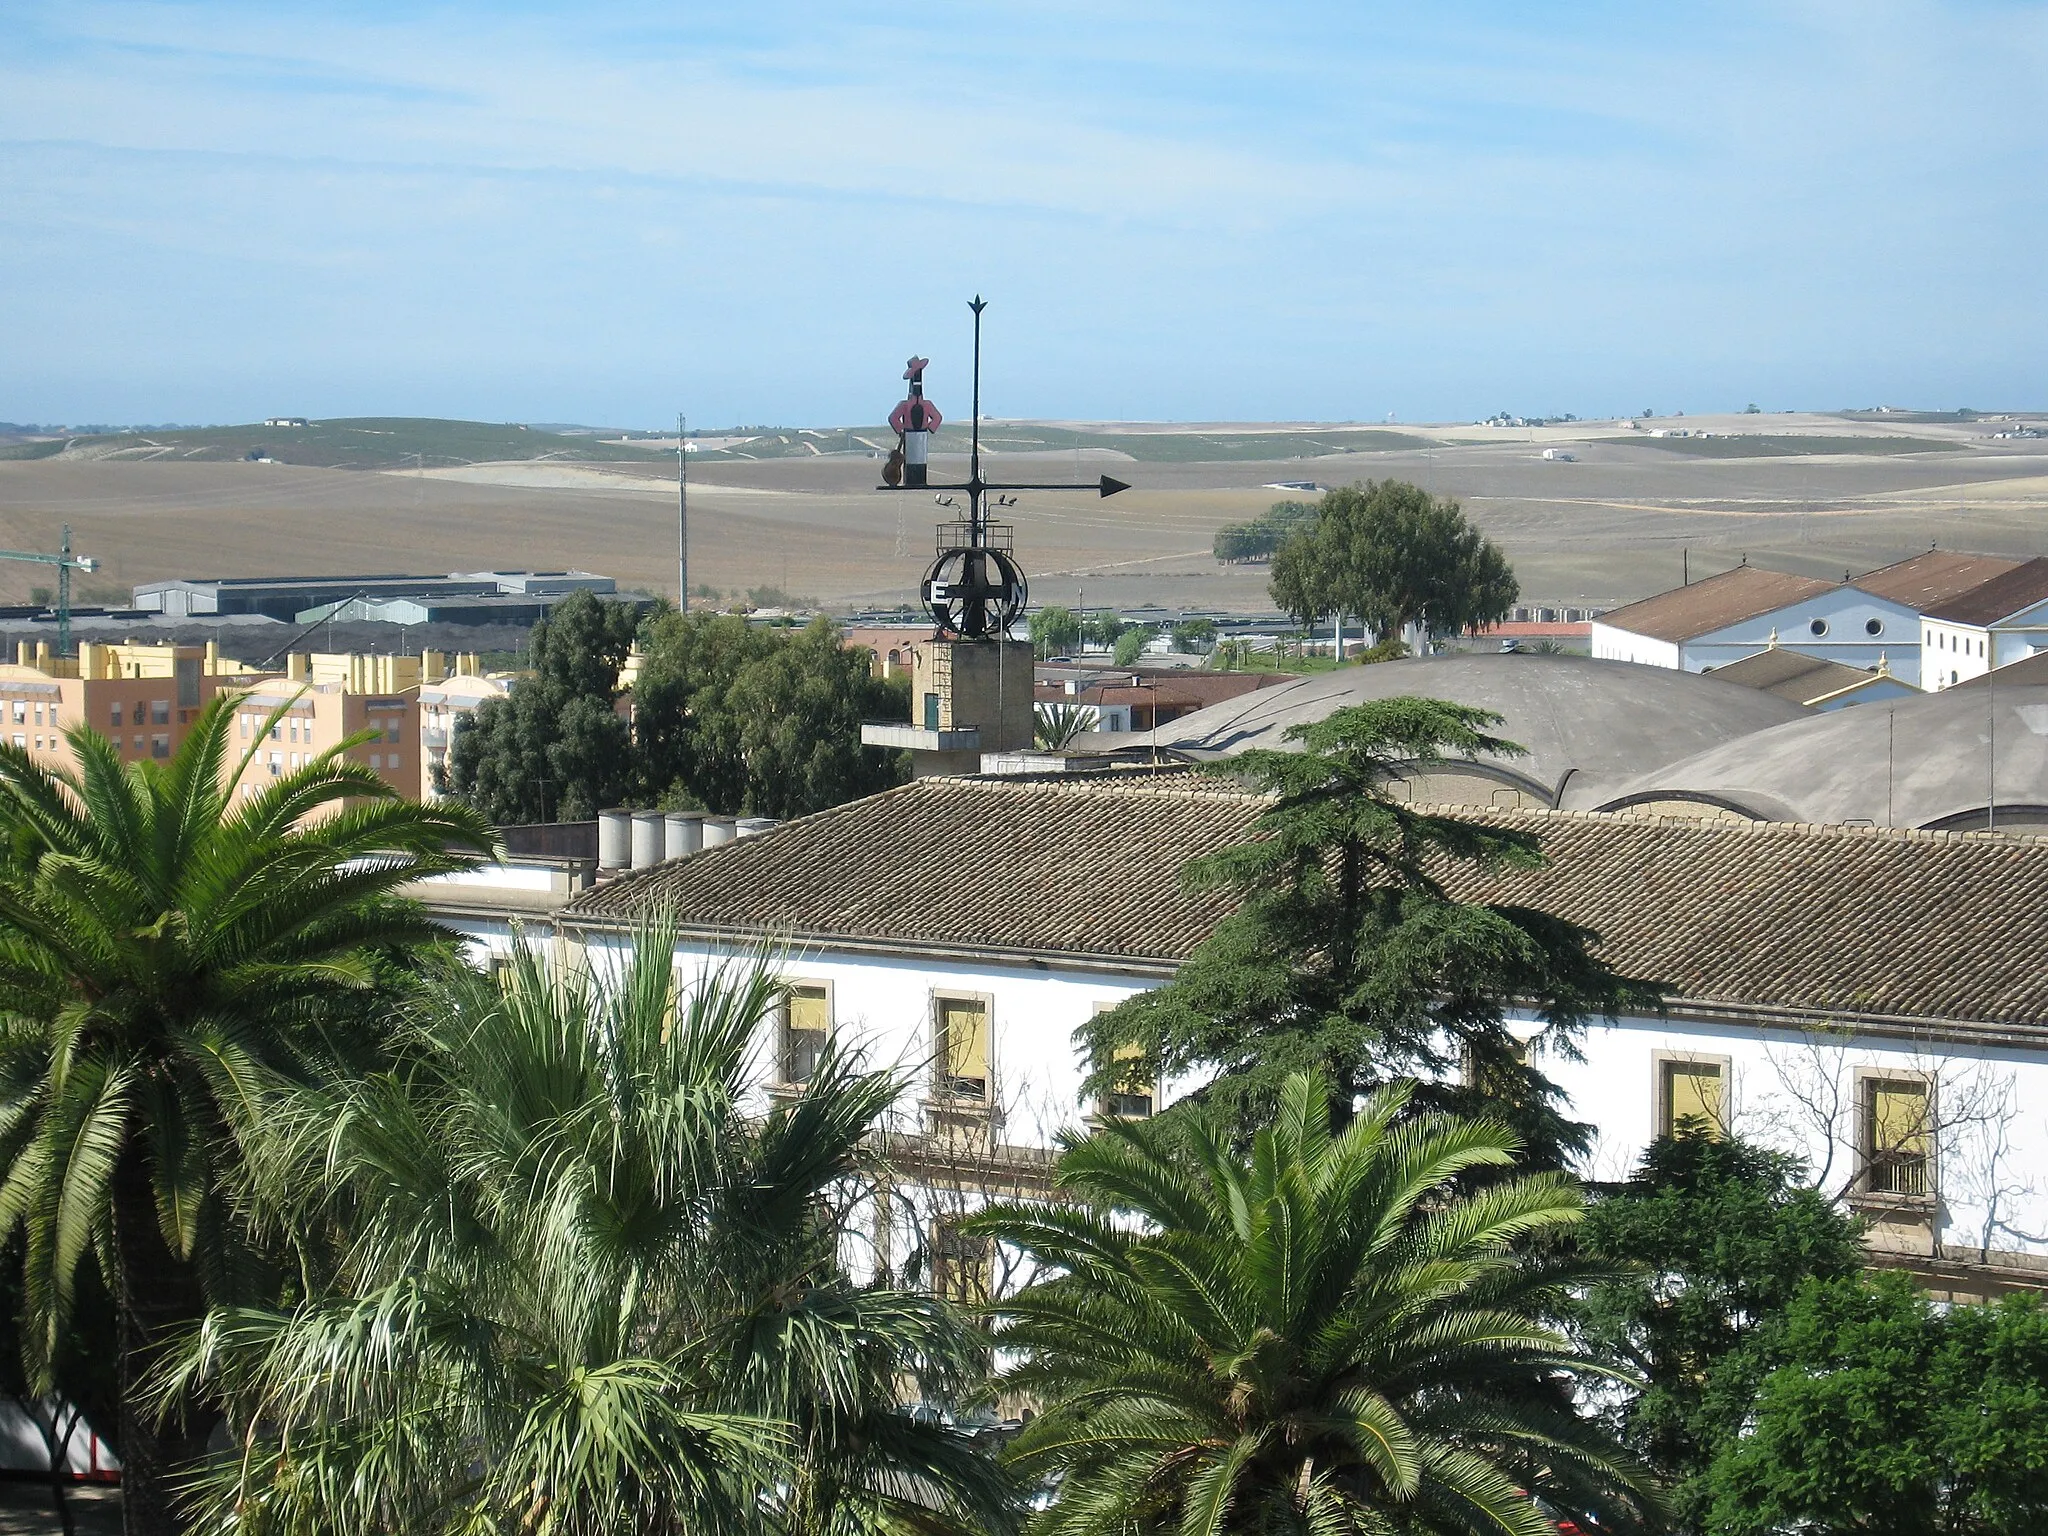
171, 953
1321, 1337
593, 1284
1395, 556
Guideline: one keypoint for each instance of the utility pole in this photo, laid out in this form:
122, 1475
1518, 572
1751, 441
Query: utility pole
682, 515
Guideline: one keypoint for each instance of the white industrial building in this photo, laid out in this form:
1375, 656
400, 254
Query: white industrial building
2003, 621
1871, 620
1871, 1000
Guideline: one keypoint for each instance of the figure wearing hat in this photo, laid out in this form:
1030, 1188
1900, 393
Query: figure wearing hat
914, 421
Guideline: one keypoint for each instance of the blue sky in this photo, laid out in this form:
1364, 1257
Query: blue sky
607, 213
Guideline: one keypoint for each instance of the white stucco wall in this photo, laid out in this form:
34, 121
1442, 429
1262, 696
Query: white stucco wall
1844, 614
1951, 653
885, 1004
1784, 1087
1845, 617
1798, 1091
1611, 644
1955, 653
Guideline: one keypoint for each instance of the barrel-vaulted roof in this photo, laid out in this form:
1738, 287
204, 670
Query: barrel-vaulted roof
1804, 921
1578, 719
1923, 761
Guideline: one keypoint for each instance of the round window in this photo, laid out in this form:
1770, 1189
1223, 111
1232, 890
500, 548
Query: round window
1873, 626
1819, 626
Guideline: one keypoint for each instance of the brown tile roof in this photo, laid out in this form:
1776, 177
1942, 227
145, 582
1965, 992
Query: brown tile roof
1792, 674
1932, 578
1685, 613
1815, 921
2000, 597
1043, 864
1191, 689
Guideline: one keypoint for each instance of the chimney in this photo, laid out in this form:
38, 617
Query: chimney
24, 653
433, 666
213, 658
295, 667
43, 654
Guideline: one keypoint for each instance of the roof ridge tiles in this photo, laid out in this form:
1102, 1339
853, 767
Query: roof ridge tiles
1755, 914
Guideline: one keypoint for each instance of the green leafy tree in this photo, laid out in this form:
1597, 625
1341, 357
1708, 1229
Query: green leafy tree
800, 709
1258, 539
555, 747
1717, 1237
589, 1288
763, 722
1886, 1413
1393, 555
169, 956
1104, 629
1055, 632
1193, 636
1324, 1337
1345, 953
1130, 645
689, 738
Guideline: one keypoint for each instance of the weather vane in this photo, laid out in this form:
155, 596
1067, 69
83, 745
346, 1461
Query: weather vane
974, 589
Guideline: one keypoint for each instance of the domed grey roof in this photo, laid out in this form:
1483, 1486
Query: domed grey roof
1582, 720
1920, 762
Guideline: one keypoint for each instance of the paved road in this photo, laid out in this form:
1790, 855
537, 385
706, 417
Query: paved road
25, 1510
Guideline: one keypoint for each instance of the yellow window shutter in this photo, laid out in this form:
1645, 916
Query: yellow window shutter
1900, 1138
807, 1009
1132, 1095
965, 1023
1899, 1118
806, 1020
1693, 1091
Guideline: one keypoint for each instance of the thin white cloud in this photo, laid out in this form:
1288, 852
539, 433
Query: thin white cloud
1462, 206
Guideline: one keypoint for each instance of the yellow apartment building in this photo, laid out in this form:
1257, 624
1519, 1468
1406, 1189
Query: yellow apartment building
144, 699
325, 699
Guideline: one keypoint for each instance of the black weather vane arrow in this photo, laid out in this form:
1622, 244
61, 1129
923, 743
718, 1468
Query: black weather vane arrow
975, 588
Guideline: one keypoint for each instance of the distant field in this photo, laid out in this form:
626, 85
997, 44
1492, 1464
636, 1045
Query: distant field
1166, 447
399, 443
1615, 518
1760, 447
368, 442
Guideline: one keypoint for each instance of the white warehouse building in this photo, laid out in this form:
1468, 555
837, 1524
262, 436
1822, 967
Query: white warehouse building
1990, 626
1873, 1001
1870, 620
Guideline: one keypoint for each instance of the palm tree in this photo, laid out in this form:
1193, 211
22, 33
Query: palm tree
1326, 1338
592, 1286
167, 954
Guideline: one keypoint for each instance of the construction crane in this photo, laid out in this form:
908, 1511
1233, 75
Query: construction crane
66, 563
